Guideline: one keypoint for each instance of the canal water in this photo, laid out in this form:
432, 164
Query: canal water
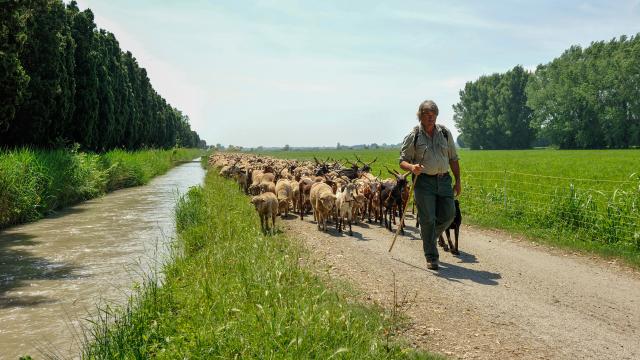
54, 273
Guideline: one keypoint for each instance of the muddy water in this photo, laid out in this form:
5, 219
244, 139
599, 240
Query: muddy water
54, 272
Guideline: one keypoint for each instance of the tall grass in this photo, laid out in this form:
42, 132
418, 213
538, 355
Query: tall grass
583, 199
233, 293
35, 182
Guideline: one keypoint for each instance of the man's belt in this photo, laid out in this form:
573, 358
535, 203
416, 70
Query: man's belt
436, 175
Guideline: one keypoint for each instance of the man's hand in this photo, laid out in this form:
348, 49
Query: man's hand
416, 169
457, 189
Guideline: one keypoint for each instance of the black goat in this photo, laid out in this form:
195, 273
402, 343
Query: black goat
366, 167
322, 168
391, 196
351, 173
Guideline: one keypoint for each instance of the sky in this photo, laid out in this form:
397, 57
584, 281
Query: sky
318, 73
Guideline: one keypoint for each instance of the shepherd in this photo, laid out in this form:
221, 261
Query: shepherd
428, 152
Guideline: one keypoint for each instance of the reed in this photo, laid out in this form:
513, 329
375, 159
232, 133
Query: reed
33, 183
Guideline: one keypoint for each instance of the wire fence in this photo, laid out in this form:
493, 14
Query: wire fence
600, 210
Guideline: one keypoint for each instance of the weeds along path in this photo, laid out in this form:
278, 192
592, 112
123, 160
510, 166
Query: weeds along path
500, 299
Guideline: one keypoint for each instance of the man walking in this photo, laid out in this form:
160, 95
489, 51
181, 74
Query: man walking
428, 152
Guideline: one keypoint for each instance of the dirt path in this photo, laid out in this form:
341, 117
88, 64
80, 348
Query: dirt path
500, 299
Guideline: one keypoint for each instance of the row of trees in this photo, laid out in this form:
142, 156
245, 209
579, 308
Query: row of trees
585, 99
64, 81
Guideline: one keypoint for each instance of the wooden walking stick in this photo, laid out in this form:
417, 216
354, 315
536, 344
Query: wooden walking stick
404, 211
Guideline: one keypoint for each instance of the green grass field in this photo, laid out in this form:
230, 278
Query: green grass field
582, 199
233, 293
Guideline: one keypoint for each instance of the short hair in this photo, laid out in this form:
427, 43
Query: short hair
427, 105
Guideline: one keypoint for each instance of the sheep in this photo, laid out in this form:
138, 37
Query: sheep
267, 206
284, 194
322, 201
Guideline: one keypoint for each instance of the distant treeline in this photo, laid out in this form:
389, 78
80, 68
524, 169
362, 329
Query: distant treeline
64, 81
585, 99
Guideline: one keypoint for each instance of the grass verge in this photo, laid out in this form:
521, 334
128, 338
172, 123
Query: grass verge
231, 292
34, 183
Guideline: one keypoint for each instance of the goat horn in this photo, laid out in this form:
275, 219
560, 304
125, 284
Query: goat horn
394, 171
390, 171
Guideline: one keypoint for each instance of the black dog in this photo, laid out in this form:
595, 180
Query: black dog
455, 225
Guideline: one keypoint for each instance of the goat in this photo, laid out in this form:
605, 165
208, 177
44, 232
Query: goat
323, 201
256, 179
267, 206
390, 196
284, 195
295, 195
366, 167
359, 207
242, 177
304, 190
345, 203
267, 186
322, 168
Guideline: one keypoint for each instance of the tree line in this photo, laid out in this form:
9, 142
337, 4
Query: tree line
64, 81
585, 99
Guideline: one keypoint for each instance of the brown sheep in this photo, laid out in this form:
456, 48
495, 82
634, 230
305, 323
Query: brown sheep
267, 206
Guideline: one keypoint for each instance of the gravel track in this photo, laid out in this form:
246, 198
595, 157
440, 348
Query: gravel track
502, 298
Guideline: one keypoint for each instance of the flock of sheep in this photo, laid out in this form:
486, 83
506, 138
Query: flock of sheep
343, 194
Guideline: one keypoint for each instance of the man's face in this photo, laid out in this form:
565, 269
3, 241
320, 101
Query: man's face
428, 119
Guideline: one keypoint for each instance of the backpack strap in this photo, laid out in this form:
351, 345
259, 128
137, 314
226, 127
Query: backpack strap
416, 132
443, 130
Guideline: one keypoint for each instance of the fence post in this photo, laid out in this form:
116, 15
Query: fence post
504, 191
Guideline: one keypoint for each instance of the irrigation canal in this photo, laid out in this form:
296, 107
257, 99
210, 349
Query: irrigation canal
54, 273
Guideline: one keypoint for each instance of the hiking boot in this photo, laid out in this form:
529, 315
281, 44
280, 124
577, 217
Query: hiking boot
432, 265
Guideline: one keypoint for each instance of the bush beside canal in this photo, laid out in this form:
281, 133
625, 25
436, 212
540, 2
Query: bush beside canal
34, 183
232, 292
